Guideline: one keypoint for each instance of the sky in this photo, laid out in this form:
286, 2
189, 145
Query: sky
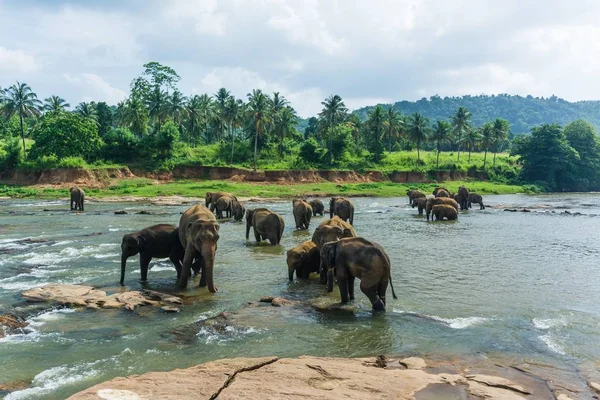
368, 52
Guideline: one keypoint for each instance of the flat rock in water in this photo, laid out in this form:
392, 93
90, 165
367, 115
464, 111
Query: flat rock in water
10, 324
413, 363
120, 212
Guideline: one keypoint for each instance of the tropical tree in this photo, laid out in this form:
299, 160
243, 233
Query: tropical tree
221, 98
87, 110
440, 133
393, 125
354, 124
487, 139
208, 114
193, 119
258, 112
500, 130
461, 122
233, 111
285, 125
19, 99
472, 140
135, 116
176, 108
55, 104
376, 122
418, 126
278, 102
157, 103
333, 112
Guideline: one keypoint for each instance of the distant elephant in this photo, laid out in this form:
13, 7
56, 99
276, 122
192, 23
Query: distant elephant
303, 259
463, 198
477, 199
77, 198
199, 234
267, 225
444, 211
414, 194
332, 229
302, 213
441, 192
351, 258
343, 208
317, 206
421, 203
210, 199
439, 200
157, 241
237, 210
223, 204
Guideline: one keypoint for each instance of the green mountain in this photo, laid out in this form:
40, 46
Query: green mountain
522, 112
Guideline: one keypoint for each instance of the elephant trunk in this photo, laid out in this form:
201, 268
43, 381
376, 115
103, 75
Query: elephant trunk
208, 256
330, 280
123, 264
291, 270
247, 230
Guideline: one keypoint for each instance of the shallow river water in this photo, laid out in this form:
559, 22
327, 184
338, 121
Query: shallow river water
494, 282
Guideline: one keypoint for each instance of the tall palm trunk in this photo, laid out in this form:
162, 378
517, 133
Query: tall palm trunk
390, 141
281, 146
255, 147
469, 155
437, 160
485, 157
494, 163
232, 142
419, 151
23, 135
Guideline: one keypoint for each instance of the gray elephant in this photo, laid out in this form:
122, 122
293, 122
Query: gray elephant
157, 241
210, 199
332, 229
199, 234
441, 192
351, 258
223, 205
420, 203
237, 210
414, 194
343, 208
302, 213
267, 225
463, 198
477, 199
439, 200
304, 259
77, 198
317, 206
444, 211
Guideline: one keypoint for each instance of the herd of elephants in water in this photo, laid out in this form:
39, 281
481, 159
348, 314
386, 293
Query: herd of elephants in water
335, 251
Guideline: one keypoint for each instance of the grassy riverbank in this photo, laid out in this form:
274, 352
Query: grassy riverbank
141, 187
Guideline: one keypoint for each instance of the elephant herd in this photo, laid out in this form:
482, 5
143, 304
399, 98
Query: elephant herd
442, 204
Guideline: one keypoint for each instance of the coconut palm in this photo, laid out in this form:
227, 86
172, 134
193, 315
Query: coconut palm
55, 104
176, 108
87, 110
393, 125
157, 104
333, 112
487, 139
221, 98
278, 102
418, 127
233, 111
208, 114
135, 115
285, 125
376, 122
20, 99
441, 131
472, 139
258, 112
500, 130
460, 122
353, 123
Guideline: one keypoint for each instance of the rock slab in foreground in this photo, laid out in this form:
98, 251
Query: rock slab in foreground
89, 297
302, 378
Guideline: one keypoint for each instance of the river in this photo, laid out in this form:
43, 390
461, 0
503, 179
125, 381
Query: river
494, 282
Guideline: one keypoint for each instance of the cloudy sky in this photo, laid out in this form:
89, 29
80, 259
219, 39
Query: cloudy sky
367, 51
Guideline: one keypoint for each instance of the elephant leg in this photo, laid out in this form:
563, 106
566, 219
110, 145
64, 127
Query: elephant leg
203, 275
72, 205
371, 293
144, 263
197, 266
182, 281
481, 206
351, 287
81, 205
272, 239
381, 289
343, 285
176, 261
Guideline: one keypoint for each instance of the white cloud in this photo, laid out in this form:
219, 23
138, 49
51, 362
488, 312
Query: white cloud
16, 62
207, 21
93, 87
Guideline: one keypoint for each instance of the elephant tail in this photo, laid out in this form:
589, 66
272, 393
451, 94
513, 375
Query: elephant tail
392, 285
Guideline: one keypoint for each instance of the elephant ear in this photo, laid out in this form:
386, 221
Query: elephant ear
141, 242
331, 253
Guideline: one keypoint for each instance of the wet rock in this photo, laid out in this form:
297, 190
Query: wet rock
595, 386
93, 234
14, 385
144, 212
498, 382
280, 301
92, 298
11, 324
120, 212
563, 396
413, 363
266, 299
170, 309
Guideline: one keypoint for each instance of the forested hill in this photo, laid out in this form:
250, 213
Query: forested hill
523, 113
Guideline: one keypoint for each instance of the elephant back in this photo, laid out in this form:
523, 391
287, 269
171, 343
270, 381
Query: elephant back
192, 214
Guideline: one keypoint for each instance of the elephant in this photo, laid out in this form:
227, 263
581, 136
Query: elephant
237, 210
210, 199
317, 206
421, 203
157, 241
199, 234
414, 194
303, 259
77, 198
442, 192
477, 199
302, 213
463, 198
332, 229
343, 208
223, 204
357, 257
439, 200
441, 211
267, 225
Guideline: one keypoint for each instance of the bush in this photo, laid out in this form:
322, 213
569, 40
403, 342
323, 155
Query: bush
311, 152
11, 154
121, 145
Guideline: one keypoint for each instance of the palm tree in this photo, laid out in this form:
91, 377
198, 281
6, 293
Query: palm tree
334, 111
418, 126
55, 105
285, 125
87, 110
472, 140
135, 115
20, 99
221, 100
258, 111
233, 109
207, 112
278, 102
193, 119
441, 130
500, 130
157, 103
460, 121
393, 124
176, 108
487, 139
376, 122
353, 123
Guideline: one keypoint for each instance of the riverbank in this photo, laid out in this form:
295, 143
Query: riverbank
144, 188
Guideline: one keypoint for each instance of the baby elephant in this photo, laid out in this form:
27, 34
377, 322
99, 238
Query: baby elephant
441, 211
157, 241
302, 213
477, 199
267, 225
317, 207
356, 257
224, 204
237, 210
77, 198
303, 259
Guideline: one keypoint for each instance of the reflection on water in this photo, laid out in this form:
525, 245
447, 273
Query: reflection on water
495, 281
